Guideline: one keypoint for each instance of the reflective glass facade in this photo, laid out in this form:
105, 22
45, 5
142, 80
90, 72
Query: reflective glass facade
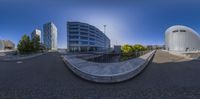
50, 36
82, 37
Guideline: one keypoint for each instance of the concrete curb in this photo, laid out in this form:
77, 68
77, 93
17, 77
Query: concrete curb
22, 58
109, 78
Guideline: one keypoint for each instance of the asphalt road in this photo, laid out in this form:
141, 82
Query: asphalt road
47, 77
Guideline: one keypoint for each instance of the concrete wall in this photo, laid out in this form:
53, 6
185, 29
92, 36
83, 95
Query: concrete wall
107, 72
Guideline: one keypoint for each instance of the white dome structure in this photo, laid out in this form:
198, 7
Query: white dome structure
181, 38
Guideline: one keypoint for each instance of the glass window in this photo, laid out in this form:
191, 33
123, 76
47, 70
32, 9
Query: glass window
92, 39
92, 43
92, 35
84, 42
73, 32
83, 26
83, 33
84, 38
73, 37
73, 28
182, 30
73, 42
175, 31
84, 29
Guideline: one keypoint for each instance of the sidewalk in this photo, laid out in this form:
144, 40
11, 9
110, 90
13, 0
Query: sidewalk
19, 57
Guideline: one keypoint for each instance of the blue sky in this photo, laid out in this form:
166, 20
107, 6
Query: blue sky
128, 22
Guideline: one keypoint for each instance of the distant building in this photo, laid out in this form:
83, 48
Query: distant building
50, 36
6, 45
1, 45
154, 47
83, 37
117, 49
36, 32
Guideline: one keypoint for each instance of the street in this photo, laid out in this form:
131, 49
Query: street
44, 77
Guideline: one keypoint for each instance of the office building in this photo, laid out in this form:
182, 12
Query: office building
83, 37
35, 33
50, 36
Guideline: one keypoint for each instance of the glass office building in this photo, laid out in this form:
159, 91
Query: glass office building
83, 37
50, 36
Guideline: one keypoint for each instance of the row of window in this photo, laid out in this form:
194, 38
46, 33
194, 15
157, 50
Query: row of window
82, 42
81, 26
179, 30
81, 37
86, 38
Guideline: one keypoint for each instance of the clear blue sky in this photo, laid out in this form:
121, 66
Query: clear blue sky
128, 22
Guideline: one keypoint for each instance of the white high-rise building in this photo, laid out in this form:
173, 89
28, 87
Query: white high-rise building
50, 36
36, 32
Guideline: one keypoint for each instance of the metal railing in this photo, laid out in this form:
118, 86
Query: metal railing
111, 57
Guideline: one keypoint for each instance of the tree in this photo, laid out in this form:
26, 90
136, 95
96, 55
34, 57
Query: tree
139, 47
35, 43
127, 49
25, 45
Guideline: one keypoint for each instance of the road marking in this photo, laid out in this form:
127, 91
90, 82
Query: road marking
19, 62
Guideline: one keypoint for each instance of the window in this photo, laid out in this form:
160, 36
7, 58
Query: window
73, 28
73, 25
92, 31
92, 43
73, 37
84, 38
91, 28
73, 32
83, 26
92, 35
73, 42
182, 30
92, 39
84, 42
175, 31
83, 33
84, 29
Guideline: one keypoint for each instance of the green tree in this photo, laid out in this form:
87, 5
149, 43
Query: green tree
127, 49
138, 47
24, 45
36, 43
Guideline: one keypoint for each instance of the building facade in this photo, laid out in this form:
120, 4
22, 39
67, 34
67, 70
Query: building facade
50, 36
1, 45
35, 33
181, 38
83, 37
6, 45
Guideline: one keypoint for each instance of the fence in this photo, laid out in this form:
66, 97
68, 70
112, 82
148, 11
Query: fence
111, 57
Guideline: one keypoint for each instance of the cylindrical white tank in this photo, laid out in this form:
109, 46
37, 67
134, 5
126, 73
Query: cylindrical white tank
181, 38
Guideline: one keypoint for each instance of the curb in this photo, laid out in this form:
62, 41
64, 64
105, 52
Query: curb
22, 58
109, 78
